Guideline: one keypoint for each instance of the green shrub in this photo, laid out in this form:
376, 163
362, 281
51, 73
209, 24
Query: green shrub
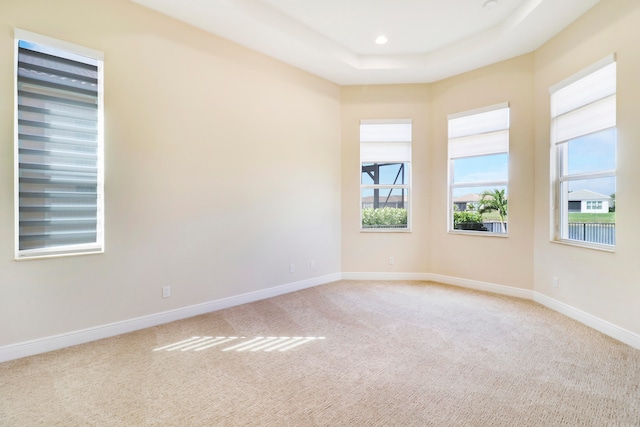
384, 217
466, 216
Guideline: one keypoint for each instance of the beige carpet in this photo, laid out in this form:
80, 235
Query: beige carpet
343, 354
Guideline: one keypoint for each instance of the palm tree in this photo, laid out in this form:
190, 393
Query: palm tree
494, 201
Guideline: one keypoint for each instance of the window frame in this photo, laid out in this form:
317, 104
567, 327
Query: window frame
81, 54
559, 157
452, 185
380, 159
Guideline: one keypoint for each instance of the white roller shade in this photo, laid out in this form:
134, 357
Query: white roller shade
385, 141
479, 132
371, 152
584, 104
577, 91
479, 145
592, 118
376, 131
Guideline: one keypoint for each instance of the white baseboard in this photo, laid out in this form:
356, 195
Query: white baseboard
600, 325
56, 342
43, 345
483, 286
386, 276
447, 280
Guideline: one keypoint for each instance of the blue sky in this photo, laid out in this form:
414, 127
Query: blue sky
486, 168
591, 153
57, 52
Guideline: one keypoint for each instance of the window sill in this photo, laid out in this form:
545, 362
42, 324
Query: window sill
478, 233
39, 254
585, 245
385, 230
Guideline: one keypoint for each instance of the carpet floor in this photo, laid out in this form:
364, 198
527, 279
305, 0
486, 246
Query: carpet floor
349, 353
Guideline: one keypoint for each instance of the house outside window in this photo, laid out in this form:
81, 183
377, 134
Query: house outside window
479, 170
385, 175
583, 160
58, 148
594, 205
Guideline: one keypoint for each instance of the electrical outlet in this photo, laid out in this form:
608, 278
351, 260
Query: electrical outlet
392, 260
312, 265
166, 291
292, 268
554, 283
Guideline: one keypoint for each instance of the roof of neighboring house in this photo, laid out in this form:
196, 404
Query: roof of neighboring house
467, 198
579, 195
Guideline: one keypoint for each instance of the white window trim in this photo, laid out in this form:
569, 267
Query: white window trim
557, 155
450, 175
406, 187
70, 250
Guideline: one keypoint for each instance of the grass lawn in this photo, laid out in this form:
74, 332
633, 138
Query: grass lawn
609, 217
492, 216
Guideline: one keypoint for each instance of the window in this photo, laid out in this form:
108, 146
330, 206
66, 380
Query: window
479, 170
385, 159
59, 157
594, 205
583, 140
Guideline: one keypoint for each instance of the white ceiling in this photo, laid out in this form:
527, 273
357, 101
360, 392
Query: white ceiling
428, 39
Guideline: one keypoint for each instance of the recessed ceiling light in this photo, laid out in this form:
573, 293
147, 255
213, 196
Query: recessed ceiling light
490, 4
381, 40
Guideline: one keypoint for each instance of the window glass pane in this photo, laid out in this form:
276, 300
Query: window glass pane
588, 210
493, 167
384, 198
469, 213
592, 153
592, 189
385, 173
590, 196
384, 208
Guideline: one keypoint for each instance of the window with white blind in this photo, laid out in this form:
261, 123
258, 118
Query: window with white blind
59, 150
385, 160
479, 170
583, 160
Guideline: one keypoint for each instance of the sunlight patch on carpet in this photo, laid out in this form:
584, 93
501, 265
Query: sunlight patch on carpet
239, 343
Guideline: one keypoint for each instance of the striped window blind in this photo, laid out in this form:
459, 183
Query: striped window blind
59, 151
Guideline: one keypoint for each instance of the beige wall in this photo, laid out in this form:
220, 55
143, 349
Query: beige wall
497, 260
429, 248
599, 283
222, 168
370, 251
